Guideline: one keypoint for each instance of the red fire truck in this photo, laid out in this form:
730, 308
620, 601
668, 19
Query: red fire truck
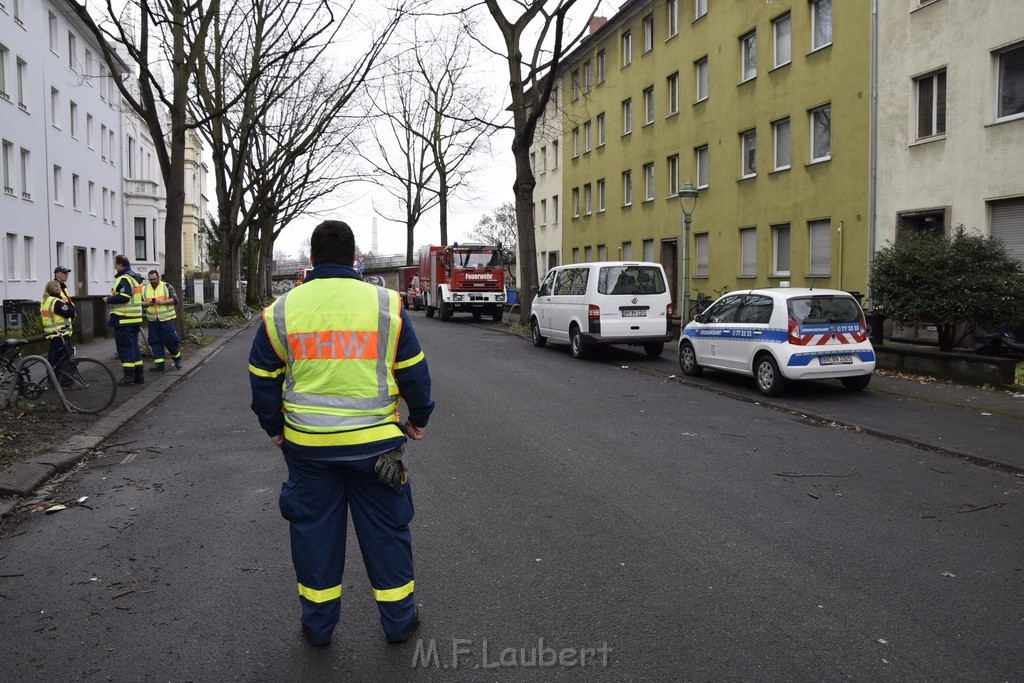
463, 278
409, 288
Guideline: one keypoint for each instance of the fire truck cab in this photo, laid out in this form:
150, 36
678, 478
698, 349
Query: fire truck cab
460, 278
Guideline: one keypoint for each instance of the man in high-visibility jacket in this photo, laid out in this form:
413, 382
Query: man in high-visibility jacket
159, 300
327, 369
125, 305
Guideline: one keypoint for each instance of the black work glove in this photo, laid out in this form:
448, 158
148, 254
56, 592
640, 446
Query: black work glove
389, 468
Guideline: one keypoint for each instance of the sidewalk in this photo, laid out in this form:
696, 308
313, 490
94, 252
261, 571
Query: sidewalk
21, 478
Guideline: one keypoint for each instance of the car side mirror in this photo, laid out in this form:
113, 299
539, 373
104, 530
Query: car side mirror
701, 318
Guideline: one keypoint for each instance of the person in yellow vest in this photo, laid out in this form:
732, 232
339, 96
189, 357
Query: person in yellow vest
159, 300
327, 369
125, 305
57, 316
60, 276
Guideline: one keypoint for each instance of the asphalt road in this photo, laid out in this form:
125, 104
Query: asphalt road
567, 513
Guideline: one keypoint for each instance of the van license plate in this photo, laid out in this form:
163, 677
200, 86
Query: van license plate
634, 313
835, 360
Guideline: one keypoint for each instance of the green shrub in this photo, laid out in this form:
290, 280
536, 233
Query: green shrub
947, 281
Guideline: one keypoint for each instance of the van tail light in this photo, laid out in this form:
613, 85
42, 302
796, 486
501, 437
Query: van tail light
794, 334
668, 312
861, 336
593, 312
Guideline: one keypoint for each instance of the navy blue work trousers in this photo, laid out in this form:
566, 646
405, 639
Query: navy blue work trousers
316, 500
126, 339
163, 335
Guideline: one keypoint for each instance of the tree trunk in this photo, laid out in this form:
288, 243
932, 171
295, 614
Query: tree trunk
523, 189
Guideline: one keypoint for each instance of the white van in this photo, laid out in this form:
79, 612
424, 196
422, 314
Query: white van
609, 302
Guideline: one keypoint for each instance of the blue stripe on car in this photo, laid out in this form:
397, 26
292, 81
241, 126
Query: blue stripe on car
741, 333
803, 359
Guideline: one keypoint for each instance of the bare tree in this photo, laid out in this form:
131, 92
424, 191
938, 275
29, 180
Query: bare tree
499, 227
259, 56
539, 32
152, 33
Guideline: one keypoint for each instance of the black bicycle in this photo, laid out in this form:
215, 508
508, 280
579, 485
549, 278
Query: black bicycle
83, 385
703, 301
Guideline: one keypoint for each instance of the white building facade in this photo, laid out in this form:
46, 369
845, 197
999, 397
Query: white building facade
546, 160
145, 198
60, 126
950, 134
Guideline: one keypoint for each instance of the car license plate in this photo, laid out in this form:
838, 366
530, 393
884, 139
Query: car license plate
634, 313
844, 359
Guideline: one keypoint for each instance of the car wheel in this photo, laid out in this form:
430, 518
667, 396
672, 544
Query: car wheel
430, 311
579, 349
856, 383
654, 350
446, 310
688, 360
539, 340
770, 381
477, 315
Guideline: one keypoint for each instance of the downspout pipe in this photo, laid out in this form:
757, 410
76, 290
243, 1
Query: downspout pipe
873, 146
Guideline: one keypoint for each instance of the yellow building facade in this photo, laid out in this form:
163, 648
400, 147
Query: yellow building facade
763, 106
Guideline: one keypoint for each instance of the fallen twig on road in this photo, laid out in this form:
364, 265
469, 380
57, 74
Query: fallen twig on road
795, 474
121, 595
968, 508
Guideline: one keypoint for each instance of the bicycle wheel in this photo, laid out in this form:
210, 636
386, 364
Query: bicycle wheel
192, 325
246, 311
92, 386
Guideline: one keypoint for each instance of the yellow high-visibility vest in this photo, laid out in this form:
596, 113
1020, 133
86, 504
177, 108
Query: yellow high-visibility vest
338, 338
53, 324
162, 311
128, 313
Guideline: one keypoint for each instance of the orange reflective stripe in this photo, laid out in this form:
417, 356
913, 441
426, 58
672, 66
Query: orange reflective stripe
333, 344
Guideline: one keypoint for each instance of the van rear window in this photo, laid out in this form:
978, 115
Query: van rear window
631, 280
814, 310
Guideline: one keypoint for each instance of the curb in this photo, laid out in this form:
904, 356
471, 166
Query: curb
20, 479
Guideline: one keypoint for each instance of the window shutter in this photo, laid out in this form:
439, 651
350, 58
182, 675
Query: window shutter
821, 247
702, 255
1008, 226
748, 250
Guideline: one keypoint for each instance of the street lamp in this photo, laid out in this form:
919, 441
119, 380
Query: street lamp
688, 202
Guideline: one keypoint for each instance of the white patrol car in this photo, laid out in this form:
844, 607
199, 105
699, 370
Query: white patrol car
778, 334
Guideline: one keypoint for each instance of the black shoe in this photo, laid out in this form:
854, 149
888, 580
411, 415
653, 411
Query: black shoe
412, 627
126, 380
315, 642
156, 368
177, 363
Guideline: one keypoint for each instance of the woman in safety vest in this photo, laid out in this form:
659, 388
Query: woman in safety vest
57, 314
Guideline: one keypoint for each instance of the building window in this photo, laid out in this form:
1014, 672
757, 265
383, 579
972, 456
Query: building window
602, 66
575, 255
748, 143
701, 7
575, 142
673, 175
627, 251
600, 197
780, 249
12, 249
820, 248
58, 182
588, 256
88, 131
88, 64
627, 188
821, 23
73, 119
26, 174
104, 206
1006, 224
1011, 82
8, 167
627, 117
931, 105
600, 129
543, 212
649, 105
700, 244
554, 154
672, 7
586, 136
53, 32
5, 57
648, 33
55, 107
748, 56
748, 252
602, 252
702, 167
780, 133
627, 48
533, 160
587, 199
575, 85
75, 189
29, 243
140, 239
103, 142
575, 202
554, 209
132, 169
782, 40
673, 94
72, 49
648, 250
22, 84
701, 72
821, 133
91, 198
587, 75
543, 160
648, 182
